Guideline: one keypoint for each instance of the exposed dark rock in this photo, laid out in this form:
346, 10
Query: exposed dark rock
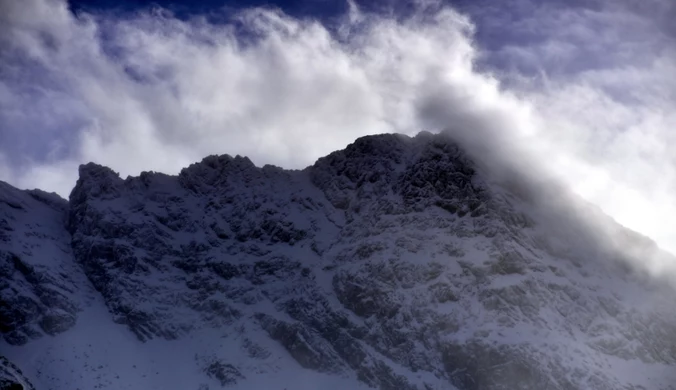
395, 261
225, 373
55, 323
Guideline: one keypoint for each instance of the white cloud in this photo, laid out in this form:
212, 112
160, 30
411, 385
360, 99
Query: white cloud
612, 120
291, 95
152, 92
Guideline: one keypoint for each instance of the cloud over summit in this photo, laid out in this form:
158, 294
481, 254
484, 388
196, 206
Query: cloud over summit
569, 87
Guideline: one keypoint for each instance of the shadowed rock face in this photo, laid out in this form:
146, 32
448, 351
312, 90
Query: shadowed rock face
12, 378
36, 289
395, 261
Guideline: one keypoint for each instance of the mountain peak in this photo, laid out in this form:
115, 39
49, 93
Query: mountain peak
395, 263
94, 171
214, 171
95, 181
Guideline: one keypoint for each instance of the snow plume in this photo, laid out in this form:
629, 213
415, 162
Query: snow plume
585, 95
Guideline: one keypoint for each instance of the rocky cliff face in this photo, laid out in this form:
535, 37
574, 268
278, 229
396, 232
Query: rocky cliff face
37, 286
396, 263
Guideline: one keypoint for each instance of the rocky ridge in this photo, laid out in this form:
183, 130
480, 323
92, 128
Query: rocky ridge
396, 263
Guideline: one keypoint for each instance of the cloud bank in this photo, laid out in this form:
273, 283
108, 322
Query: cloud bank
586, 93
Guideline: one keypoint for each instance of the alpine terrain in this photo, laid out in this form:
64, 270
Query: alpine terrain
398, 263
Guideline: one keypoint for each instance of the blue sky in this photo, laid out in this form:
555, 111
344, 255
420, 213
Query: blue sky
584, 89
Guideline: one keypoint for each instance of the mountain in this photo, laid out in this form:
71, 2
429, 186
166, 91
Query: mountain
397, 263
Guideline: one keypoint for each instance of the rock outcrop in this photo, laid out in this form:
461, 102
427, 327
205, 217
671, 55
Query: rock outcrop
396, 263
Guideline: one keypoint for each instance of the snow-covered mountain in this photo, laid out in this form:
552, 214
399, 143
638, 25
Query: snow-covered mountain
397, 263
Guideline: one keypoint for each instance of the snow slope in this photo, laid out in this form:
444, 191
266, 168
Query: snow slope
396, 263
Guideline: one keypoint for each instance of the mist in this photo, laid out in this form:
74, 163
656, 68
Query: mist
587, 109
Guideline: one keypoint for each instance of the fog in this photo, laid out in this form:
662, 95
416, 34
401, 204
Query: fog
587, 106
